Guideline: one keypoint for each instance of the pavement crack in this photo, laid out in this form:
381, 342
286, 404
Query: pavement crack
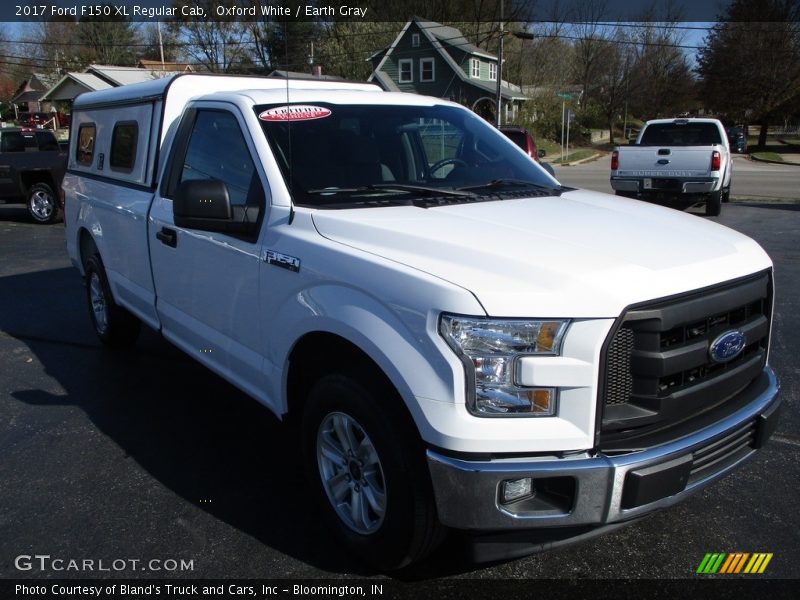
792, 440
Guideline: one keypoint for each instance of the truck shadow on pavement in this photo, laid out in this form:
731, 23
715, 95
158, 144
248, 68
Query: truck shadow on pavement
191, 431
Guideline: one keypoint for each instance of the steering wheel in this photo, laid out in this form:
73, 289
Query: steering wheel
444, 162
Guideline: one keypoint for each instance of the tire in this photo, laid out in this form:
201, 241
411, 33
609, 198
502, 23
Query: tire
714, 204
42, 203
365, 465
115, 326
726, 195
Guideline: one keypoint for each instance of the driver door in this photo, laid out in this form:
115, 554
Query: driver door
207, 283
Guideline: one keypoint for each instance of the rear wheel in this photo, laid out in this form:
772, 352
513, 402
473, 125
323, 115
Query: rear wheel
114, 325
366, 468
41, 203
726, 194
714, 204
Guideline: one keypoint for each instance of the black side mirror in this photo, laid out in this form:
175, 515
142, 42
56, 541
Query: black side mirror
201, 199
205, 204
541, 153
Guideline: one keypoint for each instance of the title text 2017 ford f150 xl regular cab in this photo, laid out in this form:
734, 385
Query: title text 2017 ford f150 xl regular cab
676, 160
465, 343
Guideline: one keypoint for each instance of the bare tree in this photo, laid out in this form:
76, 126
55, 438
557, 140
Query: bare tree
750, 66
220, 45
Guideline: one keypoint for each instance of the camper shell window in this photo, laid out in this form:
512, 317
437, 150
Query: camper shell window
123, 145
85, 149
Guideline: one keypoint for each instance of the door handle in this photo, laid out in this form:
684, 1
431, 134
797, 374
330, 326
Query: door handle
168, 236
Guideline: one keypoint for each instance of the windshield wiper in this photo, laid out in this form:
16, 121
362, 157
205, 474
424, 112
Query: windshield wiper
423, 190
507, 183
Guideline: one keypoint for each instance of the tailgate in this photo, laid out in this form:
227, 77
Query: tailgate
654, 161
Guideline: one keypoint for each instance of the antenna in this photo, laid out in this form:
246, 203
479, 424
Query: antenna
288, 125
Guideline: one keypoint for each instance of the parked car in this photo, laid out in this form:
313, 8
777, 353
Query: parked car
36, 120
32, 166
523, 138
679, 161
463, 342
737, 139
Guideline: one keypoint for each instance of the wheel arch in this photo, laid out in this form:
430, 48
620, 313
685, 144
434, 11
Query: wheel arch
320, 353
86, 248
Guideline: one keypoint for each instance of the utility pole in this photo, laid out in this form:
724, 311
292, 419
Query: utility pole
499, 99
161, 46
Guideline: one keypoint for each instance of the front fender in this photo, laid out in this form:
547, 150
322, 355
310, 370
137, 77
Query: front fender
397, 339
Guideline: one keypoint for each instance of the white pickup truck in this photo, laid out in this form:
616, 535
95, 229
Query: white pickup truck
465, 343
681, 161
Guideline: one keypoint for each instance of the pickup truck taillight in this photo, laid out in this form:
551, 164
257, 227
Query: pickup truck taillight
716, 160
614, 160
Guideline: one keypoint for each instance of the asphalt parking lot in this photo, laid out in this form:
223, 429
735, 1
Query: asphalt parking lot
146, 455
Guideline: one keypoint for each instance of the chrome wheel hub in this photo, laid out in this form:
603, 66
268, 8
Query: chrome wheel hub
41, 205
98, 302
351, 473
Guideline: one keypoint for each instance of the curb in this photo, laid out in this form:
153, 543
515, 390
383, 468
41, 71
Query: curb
773, 162
579, 162
763, 200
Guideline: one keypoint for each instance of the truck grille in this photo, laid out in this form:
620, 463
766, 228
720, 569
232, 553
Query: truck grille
659, 372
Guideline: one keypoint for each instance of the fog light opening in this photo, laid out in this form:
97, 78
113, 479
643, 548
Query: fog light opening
512, 490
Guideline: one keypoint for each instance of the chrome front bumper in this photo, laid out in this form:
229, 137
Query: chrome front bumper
599, 490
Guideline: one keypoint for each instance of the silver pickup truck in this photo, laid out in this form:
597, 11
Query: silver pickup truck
682, 161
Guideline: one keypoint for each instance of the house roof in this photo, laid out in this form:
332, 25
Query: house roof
301, 75
452, 37
72, 84
438, 35
124, 75
157, 65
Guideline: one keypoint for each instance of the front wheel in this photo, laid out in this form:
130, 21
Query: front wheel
366, 468
41, 203
114, 325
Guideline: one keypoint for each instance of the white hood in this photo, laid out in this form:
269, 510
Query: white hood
583, 254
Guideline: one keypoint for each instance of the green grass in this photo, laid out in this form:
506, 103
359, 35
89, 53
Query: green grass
574, 155
791, 141
767, 156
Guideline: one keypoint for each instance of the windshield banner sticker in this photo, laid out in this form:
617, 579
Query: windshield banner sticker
297, 112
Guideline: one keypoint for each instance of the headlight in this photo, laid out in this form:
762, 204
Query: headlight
489, 349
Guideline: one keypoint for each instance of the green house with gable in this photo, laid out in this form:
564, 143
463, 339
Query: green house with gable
436, 60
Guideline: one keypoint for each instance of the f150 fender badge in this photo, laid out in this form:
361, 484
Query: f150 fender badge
727, 346
283, 261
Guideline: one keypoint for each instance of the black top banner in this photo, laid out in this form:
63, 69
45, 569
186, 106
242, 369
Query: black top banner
359, 10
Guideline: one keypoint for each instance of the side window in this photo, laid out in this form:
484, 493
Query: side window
12, 142
123, 145
217, 150
47, 141
85, 149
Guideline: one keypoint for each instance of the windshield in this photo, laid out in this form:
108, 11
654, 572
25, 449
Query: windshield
333, 154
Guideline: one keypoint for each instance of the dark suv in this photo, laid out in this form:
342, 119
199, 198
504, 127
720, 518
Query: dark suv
32, 166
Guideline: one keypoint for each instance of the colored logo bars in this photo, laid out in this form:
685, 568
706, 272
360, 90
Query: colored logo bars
737, 562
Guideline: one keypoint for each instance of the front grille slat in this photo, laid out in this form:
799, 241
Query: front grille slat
718, 455
658, 356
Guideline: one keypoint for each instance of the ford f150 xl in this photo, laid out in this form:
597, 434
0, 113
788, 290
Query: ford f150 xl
676, 160
463, 342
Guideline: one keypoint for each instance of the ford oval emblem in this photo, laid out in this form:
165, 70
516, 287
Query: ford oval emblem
727, 346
